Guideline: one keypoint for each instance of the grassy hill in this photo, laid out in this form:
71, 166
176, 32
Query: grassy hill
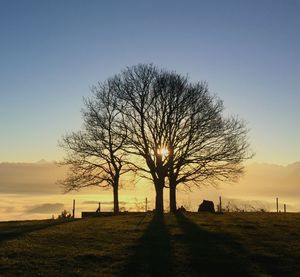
234, 244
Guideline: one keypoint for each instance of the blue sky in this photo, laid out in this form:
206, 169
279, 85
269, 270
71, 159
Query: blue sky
51, 52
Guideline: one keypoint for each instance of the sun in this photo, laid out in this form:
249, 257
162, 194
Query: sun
163, 151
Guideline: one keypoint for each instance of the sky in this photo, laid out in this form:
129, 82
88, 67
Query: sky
52, 52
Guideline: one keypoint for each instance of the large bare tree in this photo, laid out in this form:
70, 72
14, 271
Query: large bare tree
204, 146
179, 129
138, 91
94, 154
171, 130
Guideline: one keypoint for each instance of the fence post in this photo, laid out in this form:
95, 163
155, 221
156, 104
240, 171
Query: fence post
284, 207
99, 207
220, 204
277, 204
146, 208
73, 208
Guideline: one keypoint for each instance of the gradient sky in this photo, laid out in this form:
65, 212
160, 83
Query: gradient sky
51, 52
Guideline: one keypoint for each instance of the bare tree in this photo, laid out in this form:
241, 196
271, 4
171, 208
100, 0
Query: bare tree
179, 130
167, 128
138, 91
94, 155
203, 145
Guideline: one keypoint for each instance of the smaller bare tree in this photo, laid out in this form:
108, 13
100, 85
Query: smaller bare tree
94, 155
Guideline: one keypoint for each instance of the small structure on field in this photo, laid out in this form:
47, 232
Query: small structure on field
207, 206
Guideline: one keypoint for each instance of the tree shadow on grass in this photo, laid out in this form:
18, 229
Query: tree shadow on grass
16, 231
213, 254
152, 256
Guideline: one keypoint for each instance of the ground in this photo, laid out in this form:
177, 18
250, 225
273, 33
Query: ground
189, 244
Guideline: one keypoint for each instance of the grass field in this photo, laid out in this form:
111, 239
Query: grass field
190, 244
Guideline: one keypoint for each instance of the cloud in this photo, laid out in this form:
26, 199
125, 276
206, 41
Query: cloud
259, 187
261, 181
30, 178
268, 180
7, 210
45, 208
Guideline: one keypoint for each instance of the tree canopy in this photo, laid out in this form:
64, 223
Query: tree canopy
176, 128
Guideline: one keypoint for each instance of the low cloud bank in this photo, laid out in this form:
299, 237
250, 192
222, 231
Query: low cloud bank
261, 181
267, 180
31, 178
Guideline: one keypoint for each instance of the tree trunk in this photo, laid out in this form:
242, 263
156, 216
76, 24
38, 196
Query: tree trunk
172, 183
173, 206
159, 199
116, 199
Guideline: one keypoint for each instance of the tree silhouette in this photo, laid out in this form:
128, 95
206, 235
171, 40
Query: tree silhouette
203, 145
139, 96
179, 129
94, 155
170, 130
